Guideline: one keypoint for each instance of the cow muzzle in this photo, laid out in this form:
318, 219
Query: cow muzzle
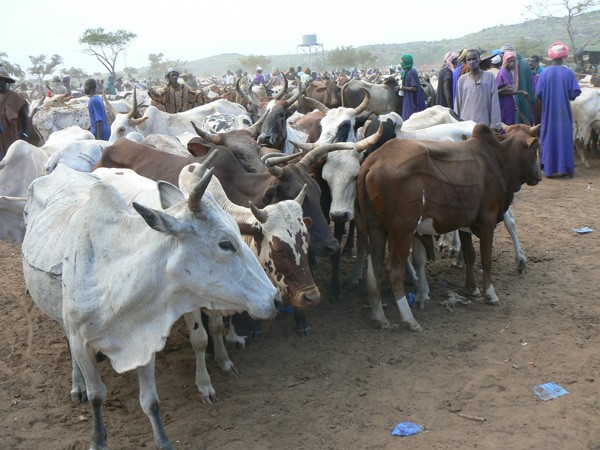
307, 298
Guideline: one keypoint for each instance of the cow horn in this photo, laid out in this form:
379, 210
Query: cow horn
108, 105
312, 103
215, 138
261, 215
240, 91
275, 160
252, 97
535, 131
293, 98
263, 158
195, 198
276, 171
302, 195
280, 94
135, 105
254, 129
320, 152
363, 106
371, 140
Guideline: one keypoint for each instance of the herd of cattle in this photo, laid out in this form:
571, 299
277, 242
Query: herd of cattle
220, 209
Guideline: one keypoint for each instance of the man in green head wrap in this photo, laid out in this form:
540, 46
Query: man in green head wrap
414, 98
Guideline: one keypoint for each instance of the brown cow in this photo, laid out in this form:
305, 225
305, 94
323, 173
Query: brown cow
409, 188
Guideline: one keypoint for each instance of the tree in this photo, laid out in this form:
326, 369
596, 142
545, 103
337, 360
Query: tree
158, 68
365, 57
343, 57
12, 69
130, 71
555, 12
106, 46
250, 62
40, 67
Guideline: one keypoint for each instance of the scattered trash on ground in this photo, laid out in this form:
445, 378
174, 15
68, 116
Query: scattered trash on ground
470, 417
286, 309
549, 391
454, 299
406, 429
583, 230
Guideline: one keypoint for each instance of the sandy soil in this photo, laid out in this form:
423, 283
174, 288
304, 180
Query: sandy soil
348, 385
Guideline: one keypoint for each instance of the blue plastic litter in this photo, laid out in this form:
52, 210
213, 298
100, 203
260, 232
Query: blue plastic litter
406, 429
286, 309
583, 230
411, 299
549, 391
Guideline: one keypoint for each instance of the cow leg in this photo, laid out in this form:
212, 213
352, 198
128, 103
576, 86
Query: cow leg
357, 267
419, 258
215, 328
78, 389
96, 390
466, 240
486, 241
349, 245
375, 255
199, 340
511, 227
460, 259
336, 284
149, 401
580, 147
302, 326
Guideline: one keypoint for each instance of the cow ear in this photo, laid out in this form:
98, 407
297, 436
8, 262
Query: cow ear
307, 222
247, 229
169, 194
197, 148
157, 220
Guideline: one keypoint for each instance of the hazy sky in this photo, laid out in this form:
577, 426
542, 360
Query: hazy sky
188, 30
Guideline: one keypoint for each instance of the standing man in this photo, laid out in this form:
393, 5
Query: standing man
445, 96
98, 120
523, 76
13, 114
413, 97
477, 94
556, 88
176, 97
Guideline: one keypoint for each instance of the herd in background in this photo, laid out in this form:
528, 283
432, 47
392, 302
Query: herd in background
255, 179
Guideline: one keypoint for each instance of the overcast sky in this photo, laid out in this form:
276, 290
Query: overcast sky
189, 30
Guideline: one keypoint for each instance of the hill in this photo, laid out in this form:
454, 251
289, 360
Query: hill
529, 37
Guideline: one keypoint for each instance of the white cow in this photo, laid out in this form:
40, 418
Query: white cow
49, 119
79, 155
586, 117
121, 296
429, 117
160, 122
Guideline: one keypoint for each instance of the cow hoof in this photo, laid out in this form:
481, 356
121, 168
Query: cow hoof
522, 268
493, 301
415, 327
79, 395
303, 332
475, 292
209, 398
382, 324
230, 370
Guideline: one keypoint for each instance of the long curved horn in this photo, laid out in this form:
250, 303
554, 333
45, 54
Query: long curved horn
254, 129
108, 105
290, 101
276, 171
280, 159
195, 198
263, 158
363, 106
261, 215
320, 152
283, 91
371, 140
240, 91
251, 96
135, 104
302, 195
215, 138
316, 104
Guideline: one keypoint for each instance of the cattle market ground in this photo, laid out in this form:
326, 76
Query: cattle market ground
348, 385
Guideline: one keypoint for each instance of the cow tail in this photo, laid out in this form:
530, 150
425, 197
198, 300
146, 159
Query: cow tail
342, 94
361, 191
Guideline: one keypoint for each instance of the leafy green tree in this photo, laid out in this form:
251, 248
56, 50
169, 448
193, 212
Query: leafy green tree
12, 69
41, 66
158, 67
563, 12
250, 62
365, 58
106, 46
342, 57
130, 71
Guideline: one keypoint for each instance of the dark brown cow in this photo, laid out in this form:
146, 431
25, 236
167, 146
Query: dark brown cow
325, 91
262, 188
427, 187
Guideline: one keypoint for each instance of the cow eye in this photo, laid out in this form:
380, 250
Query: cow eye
227, 246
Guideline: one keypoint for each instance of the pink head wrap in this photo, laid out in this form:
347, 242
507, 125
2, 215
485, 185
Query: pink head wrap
506, 57
448, 57
558, 50
515, 72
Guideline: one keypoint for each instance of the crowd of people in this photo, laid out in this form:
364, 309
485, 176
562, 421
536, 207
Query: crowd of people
502, 88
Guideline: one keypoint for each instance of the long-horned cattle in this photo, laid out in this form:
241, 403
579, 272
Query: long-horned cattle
121, 296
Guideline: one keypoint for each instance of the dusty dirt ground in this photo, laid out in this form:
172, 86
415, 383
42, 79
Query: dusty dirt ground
348, 385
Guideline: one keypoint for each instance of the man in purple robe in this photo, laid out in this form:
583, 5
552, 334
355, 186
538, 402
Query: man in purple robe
556, 88
414, 98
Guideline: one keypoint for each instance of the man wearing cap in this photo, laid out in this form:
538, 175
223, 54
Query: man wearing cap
557, 87
13, 114
176, 97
